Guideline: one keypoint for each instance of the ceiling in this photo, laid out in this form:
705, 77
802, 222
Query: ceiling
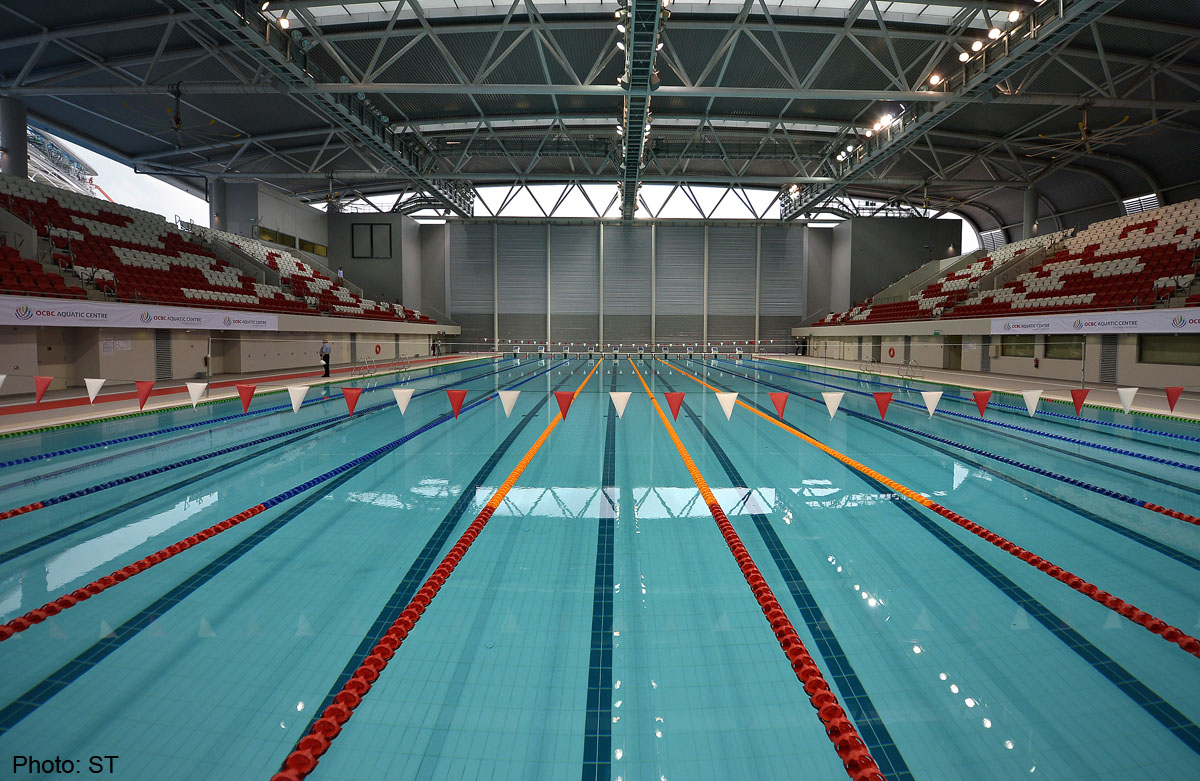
432, 97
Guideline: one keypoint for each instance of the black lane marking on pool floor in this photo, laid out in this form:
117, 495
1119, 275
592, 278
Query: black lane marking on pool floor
854, 695
1011, 436
64, 676
1129, 684
419, 571
597, 731
47, 539
100, 517
1113, 526
1071, 425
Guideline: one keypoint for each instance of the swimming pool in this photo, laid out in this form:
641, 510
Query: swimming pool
599, 624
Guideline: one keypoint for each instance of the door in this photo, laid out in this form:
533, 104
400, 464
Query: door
952, 353
877, 349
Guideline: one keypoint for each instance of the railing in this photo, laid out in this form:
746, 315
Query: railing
365, 368
910, 369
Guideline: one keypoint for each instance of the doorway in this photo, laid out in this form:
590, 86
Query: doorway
952, 353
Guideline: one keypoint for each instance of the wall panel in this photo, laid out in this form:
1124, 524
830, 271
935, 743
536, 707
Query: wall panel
731, 270
627, 284
521, 250
679, 284
575, 283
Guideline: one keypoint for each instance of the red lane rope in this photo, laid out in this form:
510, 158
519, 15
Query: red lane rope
1172, 634
855, 756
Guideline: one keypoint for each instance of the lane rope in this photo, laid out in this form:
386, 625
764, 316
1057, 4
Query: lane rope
98, 487
66, 601
1059, 437
308, 752
199, 424
1182, 516
856, 757
1168, 632
1013, 407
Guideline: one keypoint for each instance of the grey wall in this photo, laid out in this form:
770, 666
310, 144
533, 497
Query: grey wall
870, 253
818, 243
378, 277
646, 270
434, 241
241, 207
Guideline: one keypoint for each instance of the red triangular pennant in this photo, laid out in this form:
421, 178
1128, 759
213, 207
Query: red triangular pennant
456, 400
780, 401
1173, 395
882, 400
143, 389
981, 400
1078, 395
564, 399
675, 400
247, 393
351, 395
40, 385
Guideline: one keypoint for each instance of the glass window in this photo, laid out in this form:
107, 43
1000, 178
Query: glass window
1016, 346
1178, 349
1064, 346
285, 240
266, 234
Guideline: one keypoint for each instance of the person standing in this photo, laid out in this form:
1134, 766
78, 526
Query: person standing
326, 350
341, 275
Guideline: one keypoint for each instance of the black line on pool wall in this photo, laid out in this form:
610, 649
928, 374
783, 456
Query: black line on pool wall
854, 695
597, 734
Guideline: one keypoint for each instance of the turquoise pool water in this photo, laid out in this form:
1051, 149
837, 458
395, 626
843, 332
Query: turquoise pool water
599, 627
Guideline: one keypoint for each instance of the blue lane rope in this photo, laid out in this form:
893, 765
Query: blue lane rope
1060, 437
1002, 459
969, 400
231, 449
211, 421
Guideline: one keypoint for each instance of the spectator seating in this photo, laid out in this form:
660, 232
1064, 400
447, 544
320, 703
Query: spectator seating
28, 277
1132, 261
134, 255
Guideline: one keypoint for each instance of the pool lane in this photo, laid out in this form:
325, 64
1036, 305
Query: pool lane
240, 604
893, 594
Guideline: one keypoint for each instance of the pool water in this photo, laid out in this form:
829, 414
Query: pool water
599, 627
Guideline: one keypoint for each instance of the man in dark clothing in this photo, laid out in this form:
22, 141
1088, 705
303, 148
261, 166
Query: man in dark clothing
326, 349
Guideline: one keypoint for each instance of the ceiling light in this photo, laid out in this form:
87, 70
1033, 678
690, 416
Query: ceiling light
994, 33
265, 5
976, 45
850, 148
621, 45
284, 22
887, 119
964, 57
659, 47
794, 188
621, 27
869, 133
935, 79
1014, 15
620, 130
877, 126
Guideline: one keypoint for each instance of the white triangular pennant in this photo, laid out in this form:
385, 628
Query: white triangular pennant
1127, 395
297, 392
727, 401
1031, 400
195, 389
509, 399
403, 396
931, 400
832, 400
303, 627
93, 387
3, 377
619, 400
105, 629
205, 629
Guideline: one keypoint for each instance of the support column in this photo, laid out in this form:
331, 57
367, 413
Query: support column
600, 292
495, 287
653, 281
1029, 224
704, 310
217, 219
14, 159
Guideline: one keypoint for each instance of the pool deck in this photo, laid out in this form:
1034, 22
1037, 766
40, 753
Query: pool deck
70, 405
1149, 400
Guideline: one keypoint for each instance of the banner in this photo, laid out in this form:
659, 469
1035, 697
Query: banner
1145, 321
21, 310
